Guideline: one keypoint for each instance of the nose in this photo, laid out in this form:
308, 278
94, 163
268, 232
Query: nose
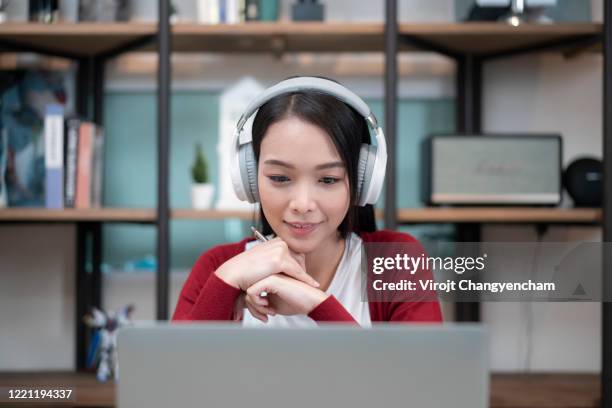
303, 200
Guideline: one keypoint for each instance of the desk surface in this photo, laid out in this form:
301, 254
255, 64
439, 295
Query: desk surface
507, 390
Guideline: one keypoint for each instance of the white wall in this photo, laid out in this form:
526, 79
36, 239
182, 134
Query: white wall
546, 93
37, 299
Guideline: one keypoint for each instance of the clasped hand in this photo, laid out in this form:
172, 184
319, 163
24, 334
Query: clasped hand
271, 267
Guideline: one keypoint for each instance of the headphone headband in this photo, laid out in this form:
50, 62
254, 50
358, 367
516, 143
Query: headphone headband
372, 159
311, 84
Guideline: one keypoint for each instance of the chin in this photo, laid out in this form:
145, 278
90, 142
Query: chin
302, 246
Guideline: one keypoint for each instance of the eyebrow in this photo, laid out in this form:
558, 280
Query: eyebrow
291, 166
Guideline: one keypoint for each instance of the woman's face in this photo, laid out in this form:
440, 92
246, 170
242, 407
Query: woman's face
303, 185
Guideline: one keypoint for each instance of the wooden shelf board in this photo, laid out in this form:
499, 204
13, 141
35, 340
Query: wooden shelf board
89, 39
72, 215
435, 215
83, 39
406, 215
278, 37
187, 213
358, 37
507, 390
500, 215
482, 38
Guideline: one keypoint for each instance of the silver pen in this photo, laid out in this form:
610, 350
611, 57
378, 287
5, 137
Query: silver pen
261, 238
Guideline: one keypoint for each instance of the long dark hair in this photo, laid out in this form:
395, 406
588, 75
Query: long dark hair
347, 130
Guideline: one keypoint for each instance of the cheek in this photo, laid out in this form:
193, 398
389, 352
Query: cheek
272, 202
268, 196
339, 204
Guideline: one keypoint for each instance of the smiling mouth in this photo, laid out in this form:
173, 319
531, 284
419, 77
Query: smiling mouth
302, 225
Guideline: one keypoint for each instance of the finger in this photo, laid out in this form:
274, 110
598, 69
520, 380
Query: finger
263, 305
258, 300
265, 310
256, 314
292, 268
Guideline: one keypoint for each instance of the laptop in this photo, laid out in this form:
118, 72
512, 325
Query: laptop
215, 365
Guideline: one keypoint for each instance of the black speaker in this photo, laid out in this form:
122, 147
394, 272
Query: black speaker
583, 181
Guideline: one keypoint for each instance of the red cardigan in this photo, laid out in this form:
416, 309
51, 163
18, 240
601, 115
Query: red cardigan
207, 297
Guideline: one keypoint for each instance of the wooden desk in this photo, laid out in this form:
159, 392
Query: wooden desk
507, 390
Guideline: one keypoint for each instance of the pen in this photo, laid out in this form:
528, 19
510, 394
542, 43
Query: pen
260, 238
258, 235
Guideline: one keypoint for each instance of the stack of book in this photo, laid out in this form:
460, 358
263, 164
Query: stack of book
236, 11
74, 151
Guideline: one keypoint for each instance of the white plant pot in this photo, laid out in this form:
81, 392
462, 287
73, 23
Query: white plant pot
202, 195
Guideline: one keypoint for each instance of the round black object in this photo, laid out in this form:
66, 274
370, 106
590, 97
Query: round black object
583, 181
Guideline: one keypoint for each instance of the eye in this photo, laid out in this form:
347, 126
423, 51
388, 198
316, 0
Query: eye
329, 180
279, 179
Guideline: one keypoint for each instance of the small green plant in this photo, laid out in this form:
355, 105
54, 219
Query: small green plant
199, 171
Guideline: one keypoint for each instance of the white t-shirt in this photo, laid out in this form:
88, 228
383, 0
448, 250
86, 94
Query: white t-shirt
345, 286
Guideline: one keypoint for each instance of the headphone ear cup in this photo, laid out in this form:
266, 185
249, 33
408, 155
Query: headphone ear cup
367, 154
248, 171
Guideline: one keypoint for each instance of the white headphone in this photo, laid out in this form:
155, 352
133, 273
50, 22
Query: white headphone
372, 159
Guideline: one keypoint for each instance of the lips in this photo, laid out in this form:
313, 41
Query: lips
301, 224
301, 229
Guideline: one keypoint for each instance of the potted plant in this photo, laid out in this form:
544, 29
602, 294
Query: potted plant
201, 190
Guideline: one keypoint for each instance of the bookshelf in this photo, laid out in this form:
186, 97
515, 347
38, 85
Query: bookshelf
469, 44
89, 45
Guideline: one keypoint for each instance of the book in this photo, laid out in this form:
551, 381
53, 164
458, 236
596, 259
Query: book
54, 156
228, 12
208, 11
231, 11
70, 169
268, 10
252, 10
24, 95
84, 165
241, 11
97, 167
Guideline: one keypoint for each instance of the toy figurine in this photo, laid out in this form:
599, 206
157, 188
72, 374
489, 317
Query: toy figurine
106, 349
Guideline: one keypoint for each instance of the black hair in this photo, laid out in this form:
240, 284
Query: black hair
347, 130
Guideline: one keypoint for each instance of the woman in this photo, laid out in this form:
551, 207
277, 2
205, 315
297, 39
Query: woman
309, 177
